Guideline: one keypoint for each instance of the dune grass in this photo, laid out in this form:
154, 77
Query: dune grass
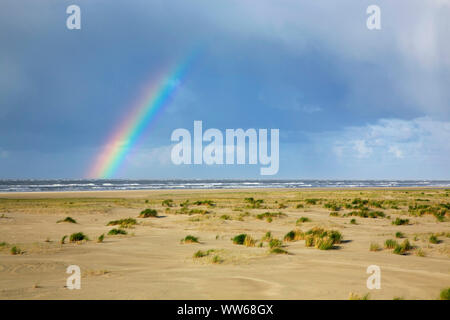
270, 215
239, 239
399, 222
390, 244
167, 203
78, 236
302, 220
275, 243
403, 248
115, 231
123, 223
445, 294
278, 250
148, 213
433, 239
15, 250
249, 241
189, 239
67, 219
399, 235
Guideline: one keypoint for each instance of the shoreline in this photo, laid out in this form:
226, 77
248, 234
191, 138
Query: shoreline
143, 192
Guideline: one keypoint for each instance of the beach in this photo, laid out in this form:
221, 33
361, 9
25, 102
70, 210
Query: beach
151, 261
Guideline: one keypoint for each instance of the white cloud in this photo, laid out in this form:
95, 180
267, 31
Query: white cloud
363, 151
393, 139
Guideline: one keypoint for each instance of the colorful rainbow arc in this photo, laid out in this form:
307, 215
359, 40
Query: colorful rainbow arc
155, 97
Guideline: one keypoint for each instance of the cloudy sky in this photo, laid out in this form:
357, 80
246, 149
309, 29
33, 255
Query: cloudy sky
349, 102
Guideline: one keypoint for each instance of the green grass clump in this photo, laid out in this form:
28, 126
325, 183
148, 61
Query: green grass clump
200, 254
217, 259
300, 206
399, 222
374, 247
123, 223
445, 294
321, 239
364, 212
433, 239
302, 220
270, 215
294, 235
225, 217
167, 203
78, 236
63, 239
190, 239
289, 236
278, 250
101, 238
402, 248
325, 243
333, 206
267, 236
399, 235
239, 239
67, 219
353, 221
390, 244
114, 232
15, 250
334, 214
204, 202
148, 213
275, 243
252, 203
312, 201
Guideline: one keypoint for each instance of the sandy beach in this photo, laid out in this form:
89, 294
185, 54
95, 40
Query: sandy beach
151, 262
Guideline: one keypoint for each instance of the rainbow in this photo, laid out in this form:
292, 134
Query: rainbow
155, 96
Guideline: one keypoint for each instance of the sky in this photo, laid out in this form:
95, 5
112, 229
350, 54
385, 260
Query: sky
350, 103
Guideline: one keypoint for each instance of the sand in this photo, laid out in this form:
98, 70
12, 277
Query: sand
150, 262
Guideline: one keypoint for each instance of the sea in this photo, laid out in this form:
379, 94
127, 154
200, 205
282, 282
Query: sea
122, 184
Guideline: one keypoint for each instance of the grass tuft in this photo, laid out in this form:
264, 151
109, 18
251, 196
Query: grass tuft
67, 219
445, 294
78, 236
239, 239
278, 250
115, 231
123, 223
433, 239
15, 250
399, 222
189, 239
390, 244
148, 213
399, 235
